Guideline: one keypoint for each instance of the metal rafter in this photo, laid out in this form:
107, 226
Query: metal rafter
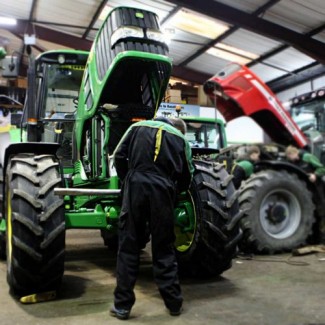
170, 15
32, 10
283, 47
52, 23
214, 9
279, 84
95, 18
51, 36
30, 24
190, 75
21, 51
231, 30
297, 77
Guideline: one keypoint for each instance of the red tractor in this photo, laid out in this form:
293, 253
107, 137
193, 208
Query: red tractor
283, 209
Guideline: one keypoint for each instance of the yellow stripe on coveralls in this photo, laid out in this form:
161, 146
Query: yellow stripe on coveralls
158, 143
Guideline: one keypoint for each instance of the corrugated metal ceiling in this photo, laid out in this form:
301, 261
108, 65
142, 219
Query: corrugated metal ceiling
248, 6
81, 19
300, 16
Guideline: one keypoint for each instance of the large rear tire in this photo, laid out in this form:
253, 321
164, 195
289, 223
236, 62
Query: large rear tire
210, 248
35, 225
278, 212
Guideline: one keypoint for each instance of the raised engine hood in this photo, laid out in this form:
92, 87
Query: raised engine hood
237, 92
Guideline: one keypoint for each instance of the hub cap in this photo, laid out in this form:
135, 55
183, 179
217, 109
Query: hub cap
280, 214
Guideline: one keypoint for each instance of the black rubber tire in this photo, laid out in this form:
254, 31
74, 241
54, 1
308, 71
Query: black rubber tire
2, 234
217, 232
267, 230
35, 225
110, 239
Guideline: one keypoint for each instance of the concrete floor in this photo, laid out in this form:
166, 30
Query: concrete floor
265, 290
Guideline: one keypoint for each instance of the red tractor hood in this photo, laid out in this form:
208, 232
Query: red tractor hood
237, 92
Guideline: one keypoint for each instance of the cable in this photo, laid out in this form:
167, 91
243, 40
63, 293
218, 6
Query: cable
287, 260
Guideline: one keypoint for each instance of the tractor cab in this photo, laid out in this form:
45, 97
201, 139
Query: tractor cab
308, 111
58, 75
205, 134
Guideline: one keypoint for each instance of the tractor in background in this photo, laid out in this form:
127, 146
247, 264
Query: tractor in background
308, 111
205, 131
62, 176
282, 208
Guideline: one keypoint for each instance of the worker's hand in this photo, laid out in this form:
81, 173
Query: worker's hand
312, 178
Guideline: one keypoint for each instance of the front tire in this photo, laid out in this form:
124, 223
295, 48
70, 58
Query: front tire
208, 249
35, 225
278, 212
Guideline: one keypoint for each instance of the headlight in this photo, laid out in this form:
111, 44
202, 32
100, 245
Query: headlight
156, 36
321, 92
61, 58
125, 32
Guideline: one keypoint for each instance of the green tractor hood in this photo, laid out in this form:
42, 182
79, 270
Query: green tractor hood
128, 67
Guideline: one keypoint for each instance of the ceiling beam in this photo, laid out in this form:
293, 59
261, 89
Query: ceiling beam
294, 78
190, 75
52, 23
51, 35
95, 18
231, 30
214, 9
171, 14
84, 44
283, 47
297, 77
32, 10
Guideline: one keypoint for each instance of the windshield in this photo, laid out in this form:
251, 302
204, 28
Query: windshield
203, 135
310, 115
58, 90
61, 88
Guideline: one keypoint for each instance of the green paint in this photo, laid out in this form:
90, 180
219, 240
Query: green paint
139, 15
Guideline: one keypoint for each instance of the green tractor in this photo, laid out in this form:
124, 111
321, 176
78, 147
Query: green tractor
62, 177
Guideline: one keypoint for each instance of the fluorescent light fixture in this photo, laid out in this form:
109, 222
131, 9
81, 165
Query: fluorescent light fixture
197, 24
240, 52
8, 21
232, 54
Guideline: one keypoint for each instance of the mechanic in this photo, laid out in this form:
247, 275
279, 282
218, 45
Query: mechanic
153, 161
244, 167
306, 161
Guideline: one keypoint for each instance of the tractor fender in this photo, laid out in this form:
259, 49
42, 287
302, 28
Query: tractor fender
37, 148
283, 165
318, 188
